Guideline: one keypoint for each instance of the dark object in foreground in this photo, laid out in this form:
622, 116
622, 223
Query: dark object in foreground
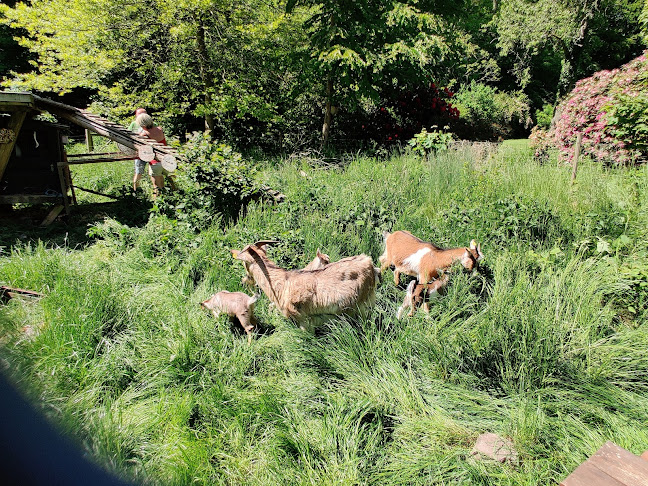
33, 453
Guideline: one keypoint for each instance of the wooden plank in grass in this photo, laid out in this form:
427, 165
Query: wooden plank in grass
611, 465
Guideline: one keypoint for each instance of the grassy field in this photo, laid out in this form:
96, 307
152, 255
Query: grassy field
547, 345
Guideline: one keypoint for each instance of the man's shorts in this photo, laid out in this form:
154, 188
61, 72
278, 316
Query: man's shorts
140, 166
157, 170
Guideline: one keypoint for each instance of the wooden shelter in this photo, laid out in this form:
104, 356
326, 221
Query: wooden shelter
34, 167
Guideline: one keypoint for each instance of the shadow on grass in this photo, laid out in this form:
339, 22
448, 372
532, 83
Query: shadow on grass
22, 223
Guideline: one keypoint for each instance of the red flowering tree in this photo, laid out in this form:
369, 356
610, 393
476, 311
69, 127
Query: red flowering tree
610, 110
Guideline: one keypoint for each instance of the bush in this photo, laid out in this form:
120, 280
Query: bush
541, 143
544, 116
610, 110
397, 115
425, 143
490, 114
215, 183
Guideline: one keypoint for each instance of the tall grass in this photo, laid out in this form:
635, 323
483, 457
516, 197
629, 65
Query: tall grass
542, 346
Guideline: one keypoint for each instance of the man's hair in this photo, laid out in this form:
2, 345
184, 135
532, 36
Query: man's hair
139, 111
144, 120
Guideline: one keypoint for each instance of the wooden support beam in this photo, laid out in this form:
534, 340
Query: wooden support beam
7, 293
96, 192
100, 154
52, 215
15, 124
97, 160
89, 141
64, 187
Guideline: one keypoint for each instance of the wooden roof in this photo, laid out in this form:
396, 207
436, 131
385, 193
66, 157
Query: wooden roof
20, 101
11, 101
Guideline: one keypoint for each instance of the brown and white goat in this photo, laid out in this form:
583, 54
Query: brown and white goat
320, 260
421, 259
234, 304
418, 294
345, 287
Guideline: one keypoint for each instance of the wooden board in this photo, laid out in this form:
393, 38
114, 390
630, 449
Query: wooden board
611, 465
15, 124
14, 101
103, 127
52, 215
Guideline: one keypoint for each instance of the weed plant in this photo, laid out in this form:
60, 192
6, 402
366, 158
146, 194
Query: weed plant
546, 345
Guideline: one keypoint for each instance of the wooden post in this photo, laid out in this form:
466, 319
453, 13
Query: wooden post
89, 141
15, 124
577, 150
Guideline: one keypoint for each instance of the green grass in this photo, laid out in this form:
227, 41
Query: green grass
548, 345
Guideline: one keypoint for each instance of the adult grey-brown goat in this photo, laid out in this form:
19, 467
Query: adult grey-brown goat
234, 304
345, 287
421, 259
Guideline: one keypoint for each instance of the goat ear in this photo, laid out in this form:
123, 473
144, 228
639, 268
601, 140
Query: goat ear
473, 245
239, 255
479, 252
319, 253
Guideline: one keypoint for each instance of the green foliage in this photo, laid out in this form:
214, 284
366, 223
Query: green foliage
544, 345
643, 19
544, 116
490, 113
628, 111
512, 218
215, 184
582, 36
426, 143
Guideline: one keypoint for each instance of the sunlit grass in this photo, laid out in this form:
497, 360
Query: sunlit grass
536, 347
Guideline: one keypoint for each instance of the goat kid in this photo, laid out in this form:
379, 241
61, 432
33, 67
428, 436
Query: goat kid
234, 304
320, 260
418, 293
421, 259
345, 287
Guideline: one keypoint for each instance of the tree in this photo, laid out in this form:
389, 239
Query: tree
582, 35
209, 58
13, 57
359, 48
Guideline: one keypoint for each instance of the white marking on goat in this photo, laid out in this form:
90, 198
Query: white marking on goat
414, 260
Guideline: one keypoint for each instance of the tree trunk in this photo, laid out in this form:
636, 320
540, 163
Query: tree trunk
328, 114
207, 80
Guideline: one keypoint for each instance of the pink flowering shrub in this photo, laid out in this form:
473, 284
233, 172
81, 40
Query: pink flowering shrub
610, 109
541, 143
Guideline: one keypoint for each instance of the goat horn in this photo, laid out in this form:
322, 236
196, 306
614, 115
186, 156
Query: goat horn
261, 243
